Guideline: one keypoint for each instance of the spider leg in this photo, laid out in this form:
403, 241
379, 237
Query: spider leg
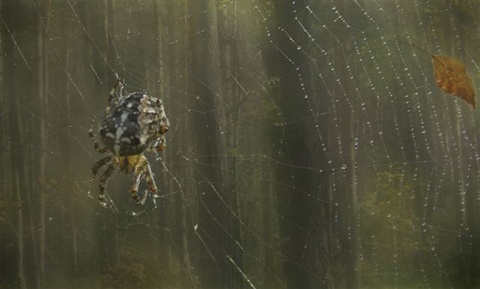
100, 164
97, 147
152, 186
143, 169
161, 144
103, 183
150, 180
118, 86
137, 177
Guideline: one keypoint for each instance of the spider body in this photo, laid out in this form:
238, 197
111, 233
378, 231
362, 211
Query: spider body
133, 124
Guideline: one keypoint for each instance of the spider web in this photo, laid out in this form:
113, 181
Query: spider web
392, 159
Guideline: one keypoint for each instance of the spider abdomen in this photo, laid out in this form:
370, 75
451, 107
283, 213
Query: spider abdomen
131, 125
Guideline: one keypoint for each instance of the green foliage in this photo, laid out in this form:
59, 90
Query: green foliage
389, 229
127, 272
136, 269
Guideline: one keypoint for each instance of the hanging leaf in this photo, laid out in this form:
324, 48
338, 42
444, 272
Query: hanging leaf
451, 77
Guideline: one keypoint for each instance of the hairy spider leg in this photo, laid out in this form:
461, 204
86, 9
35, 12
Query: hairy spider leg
152, 187
97, 147
160, 144
142, 169
137, 177
118, 86
150, 181
100, 164
103, 183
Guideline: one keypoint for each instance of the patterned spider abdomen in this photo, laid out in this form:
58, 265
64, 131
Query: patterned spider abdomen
133, 124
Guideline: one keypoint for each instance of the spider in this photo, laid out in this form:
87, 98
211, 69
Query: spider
133, 124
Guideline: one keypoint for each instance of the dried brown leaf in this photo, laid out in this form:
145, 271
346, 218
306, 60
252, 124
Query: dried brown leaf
451, 77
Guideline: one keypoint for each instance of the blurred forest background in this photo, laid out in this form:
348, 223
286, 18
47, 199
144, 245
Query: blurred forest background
309, 145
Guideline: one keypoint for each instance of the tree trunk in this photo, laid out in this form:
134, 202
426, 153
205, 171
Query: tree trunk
162, 90
42, 78
95, 20
216, 268
20, 250
159, 15
109, 30
8, 89
302, 226
178, 65
351, 212
67, 149
347, 159
234, 98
